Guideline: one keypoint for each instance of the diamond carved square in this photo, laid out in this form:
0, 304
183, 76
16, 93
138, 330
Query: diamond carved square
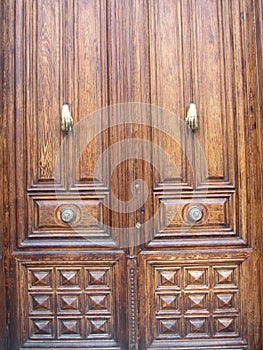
226, 326
69, 279
69, 328
98, 303
226, 277
169, 328
225, 302
41, 328
98, 328
196, 278
98, 278
41, 303
168, 303
168, 278
196, 302
69, 303
40, 279
197, 327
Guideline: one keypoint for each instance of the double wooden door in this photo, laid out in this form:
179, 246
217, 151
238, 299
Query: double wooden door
131, 231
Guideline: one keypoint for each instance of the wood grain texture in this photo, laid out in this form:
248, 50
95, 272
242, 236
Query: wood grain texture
85, 295
166, 289
3, 327
88, 64
170, 68
44, 76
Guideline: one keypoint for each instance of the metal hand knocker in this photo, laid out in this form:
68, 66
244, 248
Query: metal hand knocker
67, 120
191, 118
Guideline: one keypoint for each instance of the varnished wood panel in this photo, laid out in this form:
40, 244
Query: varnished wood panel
89, 90
215, 300
71, 301
42, 24
89, 216
191, 301
216, 216
213, 61
170, 87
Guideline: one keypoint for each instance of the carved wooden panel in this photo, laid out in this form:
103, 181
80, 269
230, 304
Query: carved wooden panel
44, 69
174, 221
69, 301
89, 91
191, 301
89, 224
213, 61
169, 37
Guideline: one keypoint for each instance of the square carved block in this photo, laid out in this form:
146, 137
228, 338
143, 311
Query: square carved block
41, 303
226, 326
197, 327
196, 277
69, 279
168, 303
98, 303
168, 328
99, 278
98, 328
69, 328
69, 303
168, 278
41, 328
226, 277
40, 278
197, 303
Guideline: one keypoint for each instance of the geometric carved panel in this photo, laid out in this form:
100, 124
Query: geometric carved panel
41, 328
41, 303
98, 327
168, 278
67, 301
168, 327
40, 279
225, 301
168, 302
98, 303
226, 277
196, 301
97, 278
69, 279
69, 328
226, 326
196, 277
197, 327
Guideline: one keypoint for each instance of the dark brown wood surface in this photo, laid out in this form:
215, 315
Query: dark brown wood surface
101, 282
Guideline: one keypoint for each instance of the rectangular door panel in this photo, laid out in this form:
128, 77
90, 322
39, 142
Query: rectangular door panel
88, 92
42, 22
169, 39
71, 302
193, 302
214, 57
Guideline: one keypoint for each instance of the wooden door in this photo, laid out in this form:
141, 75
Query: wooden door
131, 231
